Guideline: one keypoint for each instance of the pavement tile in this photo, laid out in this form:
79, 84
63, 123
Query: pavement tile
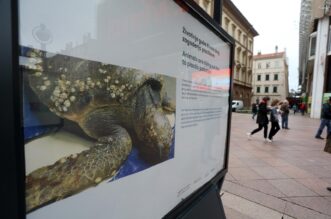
243, 173
268, 172
229, 177
262, 186
254, 196
326, 179
318, 204
236, 162
248, 208
299, 212
261, 154
295, 172
321, 161
319, 171
291, 188
318, 185
300, 162
294, 154
275, 161
233, 214
242, 153
253, 161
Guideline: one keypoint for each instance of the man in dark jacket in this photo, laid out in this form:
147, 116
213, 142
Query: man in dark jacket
327, 115
285, 112
325, 119
262, 118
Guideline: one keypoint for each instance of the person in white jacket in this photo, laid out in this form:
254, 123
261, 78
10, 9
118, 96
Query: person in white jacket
274, 120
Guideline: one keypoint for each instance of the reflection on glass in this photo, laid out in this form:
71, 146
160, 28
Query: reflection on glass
124, 113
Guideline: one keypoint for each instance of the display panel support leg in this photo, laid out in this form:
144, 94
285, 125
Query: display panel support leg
209, 205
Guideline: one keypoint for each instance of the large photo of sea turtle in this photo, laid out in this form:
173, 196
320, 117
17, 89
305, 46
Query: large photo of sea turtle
121, 109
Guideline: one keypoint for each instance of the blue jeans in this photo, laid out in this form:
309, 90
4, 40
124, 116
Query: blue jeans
285, 121
324, 122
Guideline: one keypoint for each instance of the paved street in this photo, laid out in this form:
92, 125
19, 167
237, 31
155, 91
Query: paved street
285, 178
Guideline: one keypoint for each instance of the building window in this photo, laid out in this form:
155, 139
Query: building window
275, 77
274, 90
233, 30
277, 64
266, 89
226, 24
312, 45
206, 5
267, 77
259, 77
267, 65
239, 36
259, 65
258, 89
238, 54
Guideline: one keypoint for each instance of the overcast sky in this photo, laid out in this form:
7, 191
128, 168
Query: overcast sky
277, 22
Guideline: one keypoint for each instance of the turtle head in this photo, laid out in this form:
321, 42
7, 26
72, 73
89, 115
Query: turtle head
155, 137
152, 127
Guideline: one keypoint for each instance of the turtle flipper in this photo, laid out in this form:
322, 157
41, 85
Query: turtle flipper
77, 172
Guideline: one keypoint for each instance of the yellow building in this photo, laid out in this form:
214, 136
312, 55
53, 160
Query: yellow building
236, 25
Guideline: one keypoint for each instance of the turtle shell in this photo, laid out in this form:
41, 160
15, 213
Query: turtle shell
71, 86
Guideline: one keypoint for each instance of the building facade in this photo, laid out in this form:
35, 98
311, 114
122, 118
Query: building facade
270, 76
236, 25
206, 5
315, 54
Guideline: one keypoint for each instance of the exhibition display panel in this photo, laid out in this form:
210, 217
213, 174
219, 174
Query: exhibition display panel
124, 107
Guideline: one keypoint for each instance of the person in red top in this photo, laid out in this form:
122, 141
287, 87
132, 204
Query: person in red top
302, 108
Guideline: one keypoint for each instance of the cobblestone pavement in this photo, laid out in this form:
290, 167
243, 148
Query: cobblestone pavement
286, 178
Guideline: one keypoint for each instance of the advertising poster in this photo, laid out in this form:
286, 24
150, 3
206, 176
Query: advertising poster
125, 106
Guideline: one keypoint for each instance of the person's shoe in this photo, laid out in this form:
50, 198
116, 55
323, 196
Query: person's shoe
319, 137
249, 135
328, 188
287, 128
269, 140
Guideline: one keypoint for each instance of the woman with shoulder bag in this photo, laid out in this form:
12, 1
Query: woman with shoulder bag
274, 120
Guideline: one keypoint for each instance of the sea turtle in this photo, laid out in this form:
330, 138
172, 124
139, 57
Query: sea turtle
117, 106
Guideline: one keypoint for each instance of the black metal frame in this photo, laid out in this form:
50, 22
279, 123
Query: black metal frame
12, 162
217, 181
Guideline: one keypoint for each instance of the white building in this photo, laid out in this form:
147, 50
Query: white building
270, 76
315, 54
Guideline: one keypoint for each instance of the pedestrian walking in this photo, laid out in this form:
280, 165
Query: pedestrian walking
302, 108
325, 119
262, 119
274, 120
284, 114
295, 108
254, 110
327, 147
